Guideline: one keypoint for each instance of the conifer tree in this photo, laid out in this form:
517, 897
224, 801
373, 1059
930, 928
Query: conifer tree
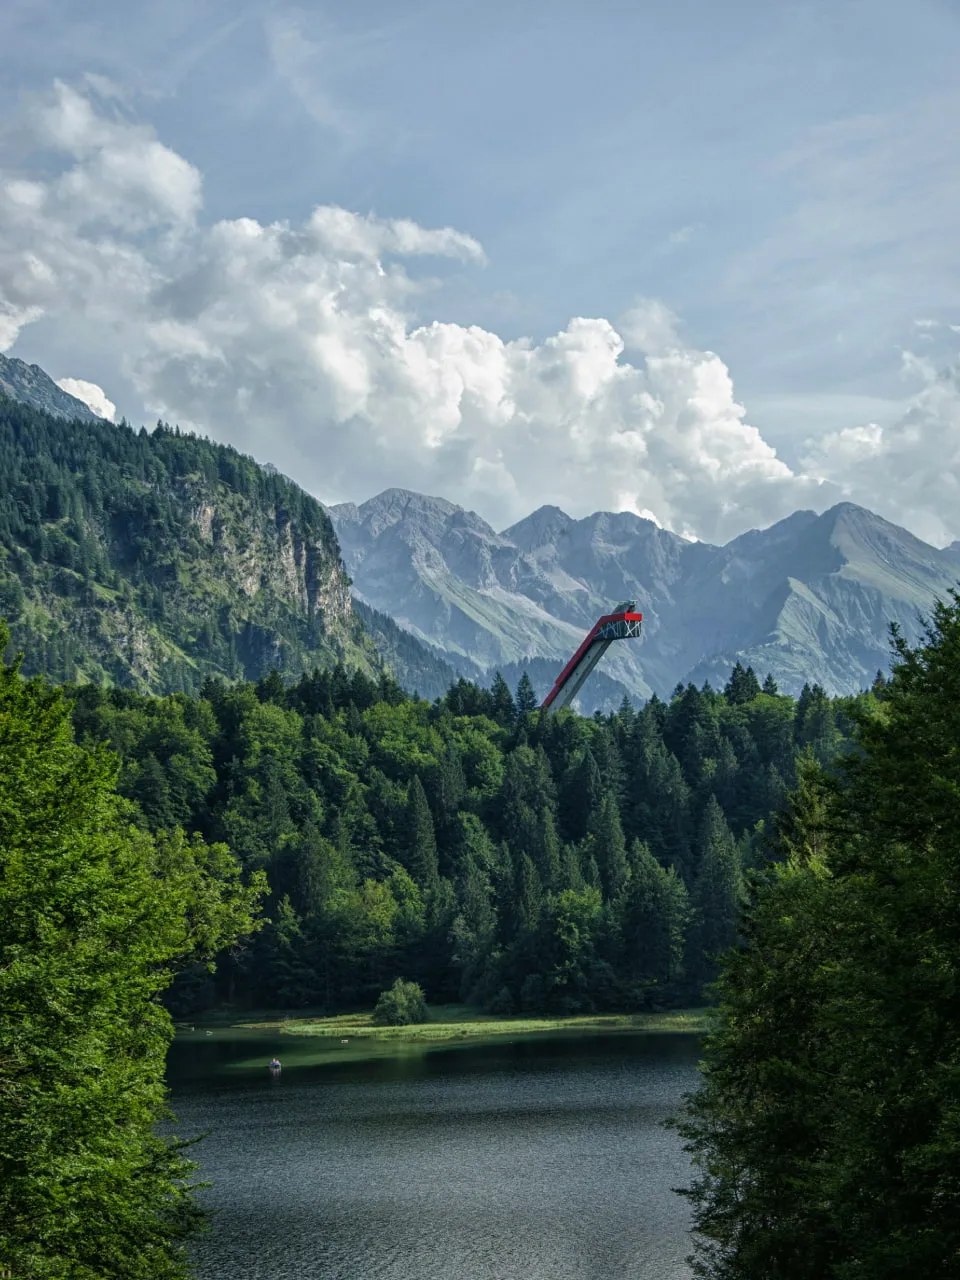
609, 848
825, 1132
526, 700
743, 685
420, 839
530, 895
94, 919
503, 706
716, 897
654, 916
581, 796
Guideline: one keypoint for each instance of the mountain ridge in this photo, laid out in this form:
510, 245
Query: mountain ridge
443, 593
156, 560
29, 384
808, 599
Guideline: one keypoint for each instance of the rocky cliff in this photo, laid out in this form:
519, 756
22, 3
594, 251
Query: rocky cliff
153, 560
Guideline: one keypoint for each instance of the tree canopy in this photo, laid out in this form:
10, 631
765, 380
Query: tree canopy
826, 1131
96, 915
471, 844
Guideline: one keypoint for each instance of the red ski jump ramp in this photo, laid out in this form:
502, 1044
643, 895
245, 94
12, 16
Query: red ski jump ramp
623, 624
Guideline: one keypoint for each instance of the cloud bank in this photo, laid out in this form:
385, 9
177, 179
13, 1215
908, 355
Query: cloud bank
303, 344
93, 397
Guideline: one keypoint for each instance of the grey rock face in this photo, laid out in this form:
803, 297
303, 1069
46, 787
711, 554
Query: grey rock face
30, 385
809, 599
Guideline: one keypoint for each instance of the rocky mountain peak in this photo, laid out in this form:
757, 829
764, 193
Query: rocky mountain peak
541, 527
810, 598
413, 512
29, 384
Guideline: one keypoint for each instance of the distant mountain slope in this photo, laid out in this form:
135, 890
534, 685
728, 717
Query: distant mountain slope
447, 577
152, 560
418, 667
809, 599
30, 385
812, 598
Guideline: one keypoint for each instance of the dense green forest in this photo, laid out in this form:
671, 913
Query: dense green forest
96, 915
151, 560
826, 1132
493, 855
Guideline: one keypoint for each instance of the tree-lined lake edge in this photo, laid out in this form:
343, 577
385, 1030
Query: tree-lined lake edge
354, 1036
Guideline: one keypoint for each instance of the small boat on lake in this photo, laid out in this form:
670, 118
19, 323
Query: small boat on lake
274, 1065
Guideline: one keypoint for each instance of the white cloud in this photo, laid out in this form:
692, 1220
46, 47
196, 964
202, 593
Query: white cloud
909, 471
300, 343
93, 397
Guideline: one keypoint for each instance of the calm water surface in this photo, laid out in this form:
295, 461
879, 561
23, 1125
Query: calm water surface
525, 1160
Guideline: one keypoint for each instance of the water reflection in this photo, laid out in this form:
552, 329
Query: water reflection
529, 1159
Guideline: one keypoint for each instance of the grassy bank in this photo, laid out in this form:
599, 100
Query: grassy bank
460, 1022
353, 1037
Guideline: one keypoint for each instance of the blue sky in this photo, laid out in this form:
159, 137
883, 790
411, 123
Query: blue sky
780, 177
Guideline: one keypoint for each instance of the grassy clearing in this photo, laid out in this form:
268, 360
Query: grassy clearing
458, 1022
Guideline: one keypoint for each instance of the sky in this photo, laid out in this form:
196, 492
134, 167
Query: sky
697, 261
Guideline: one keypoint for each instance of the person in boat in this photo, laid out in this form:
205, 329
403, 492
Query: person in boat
275, 1064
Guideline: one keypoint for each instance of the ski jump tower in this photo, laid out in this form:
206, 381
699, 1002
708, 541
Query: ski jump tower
623, 624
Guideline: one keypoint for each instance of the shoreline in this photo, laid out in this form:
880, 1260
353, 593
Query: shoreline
355, 1035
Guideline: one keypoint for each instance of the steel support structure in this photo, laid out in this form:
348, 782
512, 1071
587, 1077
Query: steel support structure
623, 624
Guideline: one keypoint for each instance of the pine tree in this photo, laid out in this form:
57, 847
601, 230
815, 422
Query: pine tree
716, 897
526, 700
420, 842
504, 708
653, 920
581, 796
609, 847
743, 686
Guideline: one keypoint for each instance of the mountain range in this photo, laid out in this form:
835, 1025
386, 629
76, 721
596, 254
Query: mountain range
155, 559
808, 600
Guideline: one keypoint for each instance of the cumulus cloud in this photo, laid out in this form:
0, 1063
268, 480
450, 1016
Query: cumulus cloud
909, 471
305, 344
93, 397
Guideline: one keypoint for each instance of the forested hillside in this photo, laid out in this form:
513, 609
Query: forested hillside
494, 856
153, 559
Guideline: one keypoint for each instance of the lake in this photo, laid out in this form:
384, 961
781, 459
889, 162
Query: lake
540, 1158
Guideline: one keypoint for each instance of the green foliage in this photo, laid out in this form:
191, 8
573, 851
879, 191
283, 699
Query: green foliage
401, 1006
827, 1129
457, 842
526, 700
95, 917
